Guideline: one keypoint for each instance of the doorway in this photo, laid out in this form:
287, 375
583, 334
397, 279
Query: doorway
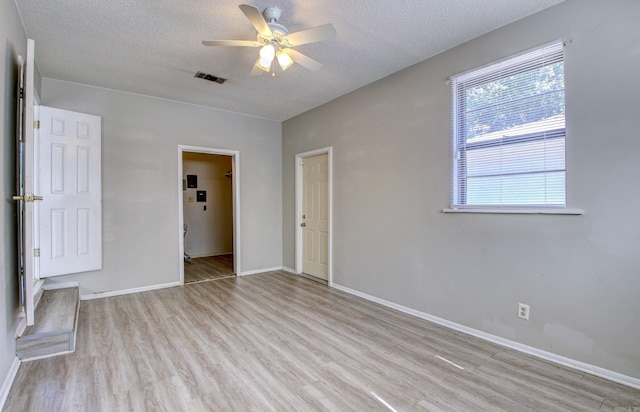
208, 214
314, 214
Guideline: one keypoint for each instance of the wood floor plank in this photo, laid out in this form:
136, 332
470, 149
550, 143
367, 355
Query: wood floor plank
279, 342
52, 304
208, 268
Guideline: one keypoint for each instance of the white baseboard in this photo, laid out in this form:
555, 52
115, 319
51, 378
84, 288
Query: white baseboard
100, 295
552, 357
38, 289
257, 272
22, 326
8, 382
60, 285
286, 269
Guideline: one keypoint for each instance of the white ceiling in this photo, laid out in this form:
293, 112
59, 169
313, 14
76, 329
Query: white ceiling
152, 47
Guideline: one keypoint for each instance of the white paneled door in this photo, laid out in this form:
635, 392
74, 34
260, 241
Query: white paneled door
315, 216
69, 177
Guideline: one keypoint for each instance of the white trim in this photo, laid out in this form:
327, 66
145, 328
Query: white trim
235, 187
286, 269
524, 211
298, 208
100, 295
60, 285
259, 271
22, 326
552, 357
8, 381
38, 289
30, 229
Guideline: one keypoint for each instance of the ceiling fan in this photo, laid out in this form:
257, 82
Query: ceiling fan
276, 42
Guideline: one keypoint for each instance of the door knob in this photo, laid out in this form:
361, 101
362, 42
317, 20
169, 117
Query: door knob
28, 197
303, 224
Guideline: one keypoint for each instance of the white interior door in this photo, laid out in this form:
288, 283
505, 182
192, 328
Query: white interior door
315, 216
28, 259
70, 215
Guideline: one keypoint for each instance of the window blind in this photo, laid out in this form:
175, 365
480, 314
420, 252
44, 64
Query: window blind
509, 132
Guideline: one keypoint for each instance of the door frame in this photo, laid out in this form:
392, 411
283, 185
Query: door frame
30, 282
298, 212
235, 196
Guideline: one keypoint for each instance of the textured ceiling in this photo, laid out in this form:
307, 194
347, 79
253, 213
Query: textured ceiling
152, 47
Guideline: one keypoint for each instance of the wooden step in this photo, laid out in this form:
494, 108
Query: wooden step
54, 331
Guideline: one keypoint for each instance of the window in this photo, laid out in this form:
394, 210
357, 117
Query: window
509, 133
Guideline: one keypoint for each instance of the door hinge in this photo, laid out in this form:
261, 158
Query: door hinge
36, 252
301, 162
36, 124
22, 92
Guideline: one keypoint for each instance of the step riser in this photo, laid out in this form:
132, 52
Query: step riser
38, 348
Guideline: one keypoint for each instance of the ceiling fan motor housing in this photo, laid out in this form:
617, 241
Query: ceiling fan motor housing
275, 40
272, 14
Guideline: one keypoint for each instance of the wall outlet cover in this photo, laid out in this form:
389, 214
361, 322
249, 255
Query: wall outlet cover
523, 311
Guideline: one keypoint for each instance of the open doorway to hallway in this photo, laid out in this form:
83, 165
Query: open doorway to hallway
208, 216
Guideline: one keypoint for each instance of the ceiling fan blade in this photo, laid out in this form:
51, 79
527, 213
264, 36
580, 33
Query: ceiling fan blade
242, 43
255, 17
312, 35
302, 60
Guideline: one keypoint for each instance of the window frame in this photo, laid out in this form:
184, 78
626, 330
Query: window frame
459, 138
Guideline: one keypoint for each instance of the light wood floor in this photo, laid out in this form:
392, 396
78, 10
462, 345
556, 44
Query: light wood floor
207, 268
278, 342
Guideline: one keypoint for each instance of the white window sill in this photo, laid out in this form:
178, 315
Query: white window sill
525, 211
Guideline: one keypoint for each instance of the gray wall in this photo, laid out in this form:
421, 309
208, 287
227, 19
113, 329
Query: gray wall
140, 138
392, 167
14, 43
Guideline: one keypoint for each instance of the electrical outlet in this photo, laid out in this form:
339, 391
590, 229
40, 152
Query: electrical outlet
523, 311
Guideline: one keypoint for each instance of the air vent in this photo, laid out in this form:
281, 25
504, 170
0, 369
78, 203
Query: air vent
210, 77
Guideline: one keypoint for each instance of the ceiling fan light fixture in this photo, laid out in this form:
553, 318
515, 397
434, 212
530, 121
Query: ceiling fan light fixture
284, 60
264, 64
267, 53
274, 40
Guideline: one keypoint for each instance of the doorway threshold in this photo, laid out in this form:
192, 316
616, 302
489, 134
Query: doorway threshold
210, 279
315, 279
